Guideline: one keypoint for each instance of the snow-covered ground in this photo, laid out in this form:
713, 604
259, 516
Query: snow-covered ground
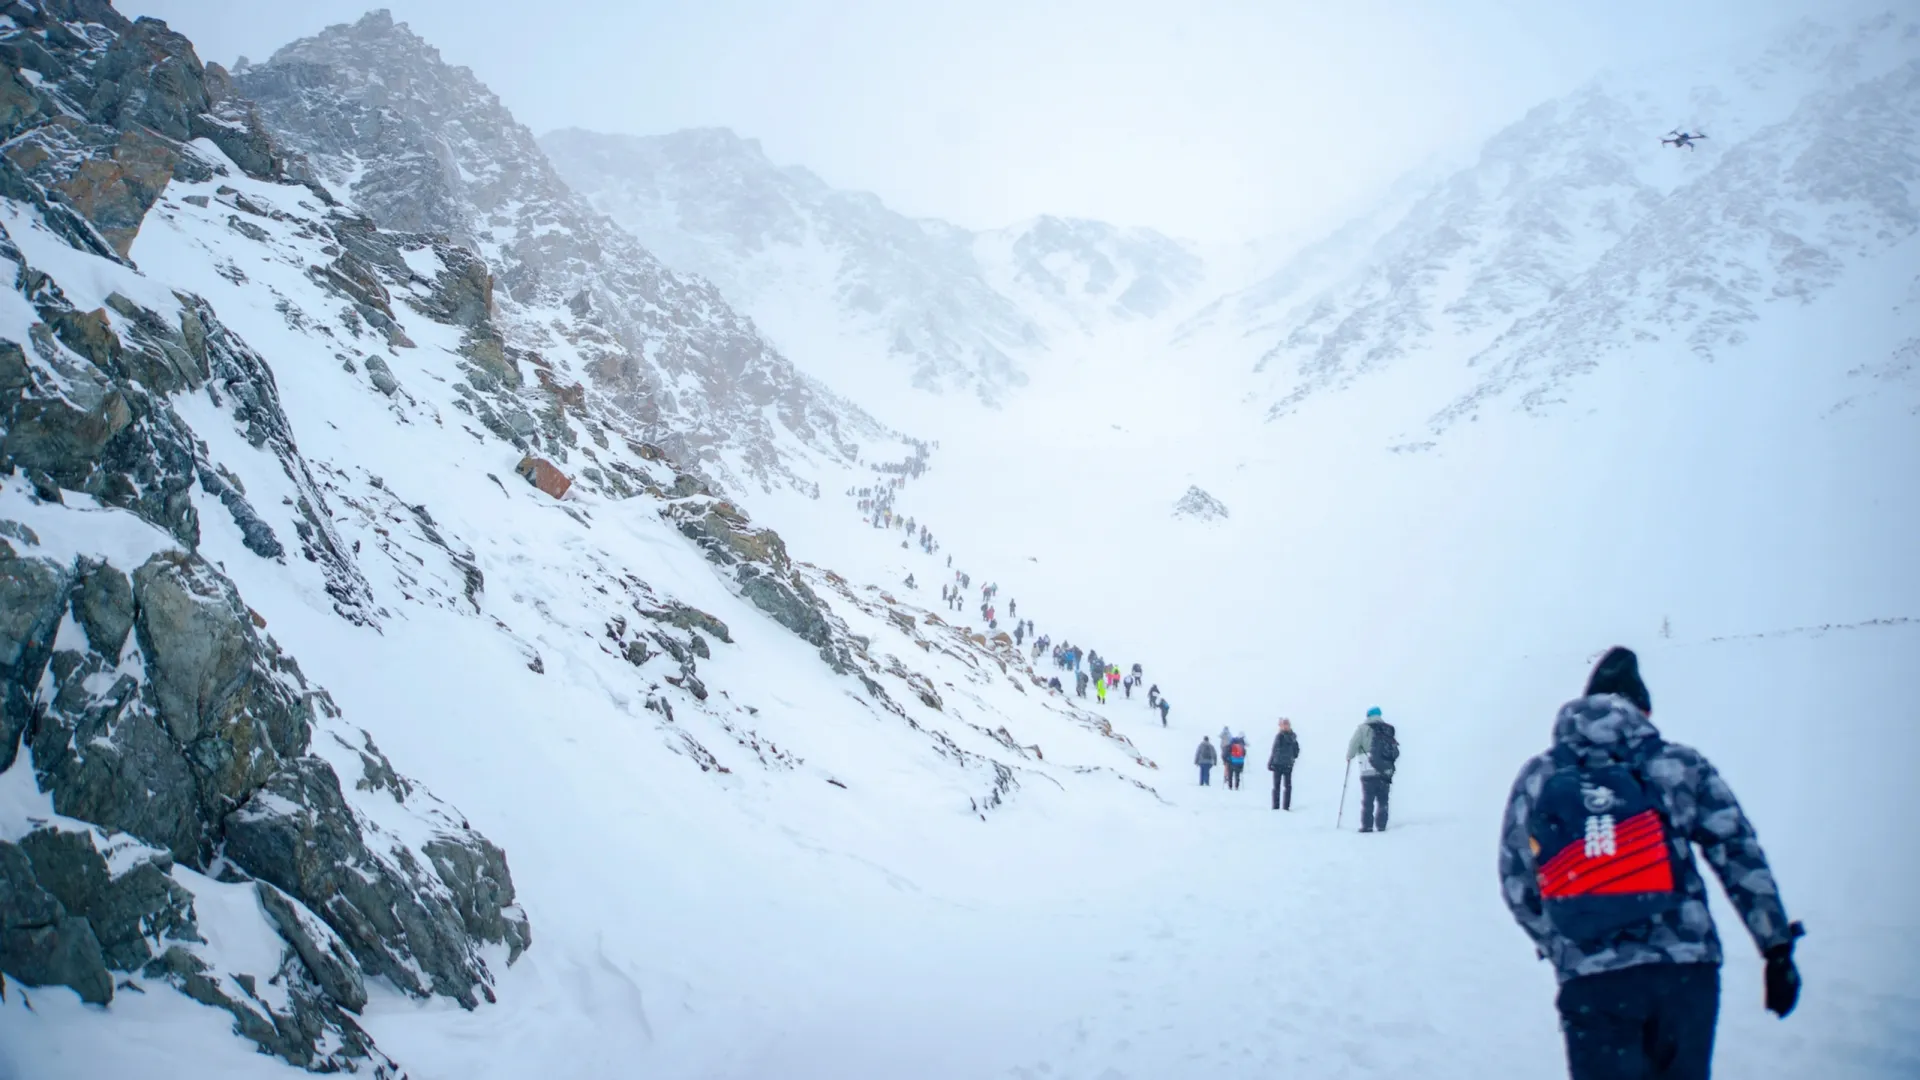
768, 921
789, 879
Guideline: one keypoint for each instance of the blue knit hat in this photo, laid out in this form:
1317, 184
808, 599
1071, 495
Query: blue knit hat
1373, 712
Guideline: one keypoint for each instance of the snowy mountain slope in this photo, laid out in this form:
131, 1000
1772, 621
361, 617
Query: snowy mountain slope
262, 374
1575, 230
791, 874
1090, 271
420, 145
787, 248
1782, 216
860, 293
1261, 309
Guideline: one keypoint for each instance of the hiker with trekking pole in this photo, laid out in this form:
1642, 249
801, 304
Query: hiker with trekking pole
1378, 749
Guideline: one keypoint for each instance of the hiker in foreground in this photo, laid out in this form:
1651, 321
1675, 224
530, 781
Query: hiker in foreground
1597, 864
1205, 757
1378, 749
1286, 750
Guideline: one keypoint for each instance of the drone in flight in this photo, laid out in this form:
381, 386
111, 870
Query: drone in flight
1677, 138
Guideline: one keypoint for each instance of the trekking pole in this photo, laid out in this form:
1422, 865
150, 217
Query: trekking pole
1342, 815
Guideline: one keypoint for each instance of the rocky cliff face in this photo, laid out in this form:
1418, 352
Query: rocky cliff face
180, 751
97, 110
420, 145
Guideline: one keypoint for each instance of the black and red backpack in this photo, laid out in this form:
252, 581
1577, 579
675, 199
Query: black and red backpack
1603, 847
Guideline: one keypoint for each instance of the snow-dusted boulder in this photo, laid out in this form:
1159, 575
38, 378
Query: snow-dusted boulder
1197, 505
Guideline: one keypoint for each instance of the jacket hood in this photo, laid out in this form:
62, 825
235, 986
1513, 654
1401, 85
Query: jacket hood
1603, 724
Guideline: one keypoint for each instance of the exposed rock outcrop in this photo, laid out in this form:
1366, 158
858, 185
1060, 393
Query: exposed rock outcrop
103, 120
171, 732
544, 475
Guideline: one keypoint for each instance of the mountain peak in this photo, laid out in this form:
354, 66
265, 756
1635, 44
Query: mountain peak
376, 29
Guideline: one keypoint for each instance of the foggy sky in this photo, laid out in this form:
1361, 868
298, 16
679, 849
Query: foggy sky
1220, 120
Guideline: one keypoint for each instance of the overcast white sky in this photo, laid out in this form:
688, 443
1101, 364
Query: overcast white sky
1213, 119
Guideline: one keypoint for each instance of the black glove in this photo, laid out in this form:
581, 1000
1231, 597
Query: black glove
1783, 979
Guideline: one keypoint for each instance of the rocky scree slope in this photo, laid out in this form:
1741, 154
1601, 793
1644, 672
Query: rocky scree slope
422, 146
177, 752
1576, 234
823, 269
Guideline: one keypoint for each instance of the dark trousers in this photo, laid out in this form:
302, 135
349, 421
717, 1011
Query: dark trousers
1652, 1022
1283, 776
1373, 802
1204, 771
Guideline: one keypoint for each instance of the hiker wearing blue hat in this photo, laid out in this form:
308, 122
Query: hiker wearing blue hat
1378, 751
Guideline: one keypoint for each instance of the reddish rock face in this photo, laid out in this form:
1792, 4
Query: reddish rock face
543, 474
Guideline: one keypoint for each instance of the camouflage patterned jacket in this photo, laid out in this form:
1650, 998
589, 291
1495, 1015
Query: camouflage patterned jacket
1700, 809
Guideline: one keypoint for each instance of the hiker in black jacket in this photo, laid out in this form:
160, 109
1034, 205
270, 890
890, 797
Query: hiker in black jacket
1286, 749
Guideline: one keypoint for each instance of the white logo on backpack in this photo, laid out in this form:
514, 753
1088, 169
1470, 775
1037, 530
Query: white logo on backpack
1600, 835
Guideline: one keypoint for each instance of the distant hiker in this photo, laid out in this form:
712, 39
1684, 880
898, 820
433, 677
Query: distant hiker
1080, 683
1205, 757
1236, 761
1286, 750
1153, 696
1137, 673
1113, 676
1598, 867
1164, 708
1378, 749
1100, 690
1226, 736
1013, 609
1128, 683
1053, 684
910, 583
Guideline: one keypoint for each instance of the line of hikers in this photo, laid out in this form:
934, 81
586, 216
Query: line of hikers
1598, 866
1375, 745
1597, 862
876, 504
1101, 675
